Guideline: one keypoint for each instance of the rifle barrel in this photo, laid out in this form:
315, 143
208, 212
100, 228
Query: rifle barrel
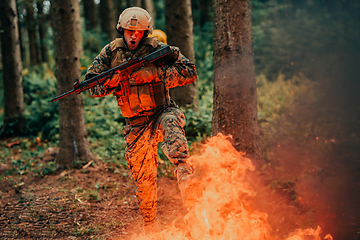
63, 95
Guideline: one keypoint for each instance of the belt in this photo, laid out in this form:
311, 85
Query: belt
137, 121
141, 120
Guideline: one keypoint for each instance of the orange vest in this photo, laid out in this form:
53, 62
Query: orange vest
142, 100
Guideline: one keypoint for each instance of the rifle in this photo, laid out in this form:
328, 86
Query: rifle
160, 57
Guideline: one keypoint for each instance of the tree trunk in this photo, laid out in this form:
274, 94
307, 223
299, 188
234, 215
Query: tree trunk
179, 29
108, 22
41, 20
204, 12
30, 22
149, 6
90, 14
12, 67
73, 145
78, 27
137, 3
235, 97
119, 9
128, 3
22, 48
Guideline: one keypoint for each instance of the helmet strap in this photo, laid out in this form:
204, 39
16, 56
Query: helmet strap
120, 31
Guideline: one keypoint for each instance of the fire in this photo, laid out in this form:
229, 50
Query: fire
219, 200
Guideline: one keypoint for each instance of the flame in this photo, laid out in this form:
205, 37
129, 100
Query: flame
218, 197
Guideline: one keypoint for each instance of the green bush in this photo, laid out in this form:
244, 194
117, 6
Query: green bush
41, 116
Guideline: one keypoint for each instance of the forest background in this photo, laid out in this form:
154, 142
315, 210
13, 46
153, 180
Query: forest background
306, 56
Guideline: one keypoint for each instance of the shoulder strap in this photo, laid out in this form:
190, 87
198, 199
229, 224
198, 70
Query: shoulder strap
117, 43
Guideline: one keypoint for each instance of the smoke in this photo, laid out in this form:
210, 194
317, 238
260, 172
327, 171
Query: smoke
323, 172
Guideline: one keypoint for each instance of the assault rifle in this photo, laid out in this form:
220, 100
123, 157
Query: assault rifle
163, 56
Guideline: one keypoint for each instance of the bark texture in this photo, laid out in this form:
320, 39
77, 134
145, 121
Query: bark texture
108, 22
78, 27
179, 29
235, 97
12, 67
73, 145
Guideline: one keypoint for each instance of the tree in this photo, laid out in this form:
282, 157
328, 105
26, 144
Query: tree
73, 145
108, 22
19, 9
12, 67
204, 12
235, 97
41, 23
78, 27
137, 3
90, 14
119, 8
149, 6
30, 23
179, 29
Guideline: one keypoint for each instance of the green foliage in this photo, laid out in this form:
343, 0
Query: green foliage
160, 22
276, 101
40, 114
93, 42
277, 96
23, 166
25, 158
91, 195
288, 40
104, 123
198, 122
203, 47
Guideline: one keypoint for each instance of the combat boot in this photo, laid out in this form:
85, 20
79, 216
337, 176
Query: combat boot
152, 227
182, 172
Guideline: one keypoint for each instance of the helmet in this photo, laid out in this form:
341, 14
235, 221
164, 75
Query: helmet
160, 35
135, 18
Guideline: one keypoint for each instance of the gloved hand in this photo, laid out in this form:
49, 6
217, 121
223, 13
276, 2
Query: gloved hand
145, 75
114, 81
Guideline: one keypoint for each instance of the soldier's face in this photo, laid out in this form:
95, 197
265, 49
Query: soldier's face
133, 38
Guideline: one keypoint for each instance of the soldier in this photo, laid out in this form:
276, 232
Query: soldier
151, 116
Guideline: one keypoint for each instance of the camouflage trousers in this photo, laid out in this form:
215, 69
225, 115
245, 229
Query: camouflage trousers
141, 154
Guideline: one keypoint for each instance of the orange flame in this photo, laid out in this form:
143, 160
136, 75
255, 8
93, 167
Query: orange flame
218, 200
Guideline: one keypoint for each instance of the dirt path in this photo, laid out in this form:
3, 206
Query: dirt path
90, 203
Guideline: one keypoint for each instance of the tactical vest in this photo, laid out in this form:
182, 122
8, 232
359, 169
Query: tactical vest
142, 100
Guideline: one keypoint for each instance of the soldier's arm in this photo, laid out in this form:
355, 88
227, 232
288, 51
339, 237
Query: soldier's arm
181, 73
101, 63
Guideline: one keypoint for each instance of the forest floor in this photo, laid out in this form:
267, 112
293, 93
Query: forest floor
87, 203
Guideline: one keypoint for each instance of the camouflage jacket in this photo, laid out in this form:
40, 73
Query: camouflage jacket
180, 73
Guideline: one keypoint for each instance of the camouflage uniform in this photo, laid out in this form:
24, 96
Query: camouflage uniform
160, 124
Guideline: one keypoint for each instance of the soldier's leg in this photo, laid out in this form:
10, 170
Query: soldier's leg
141, 154
174, 143
175, 146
